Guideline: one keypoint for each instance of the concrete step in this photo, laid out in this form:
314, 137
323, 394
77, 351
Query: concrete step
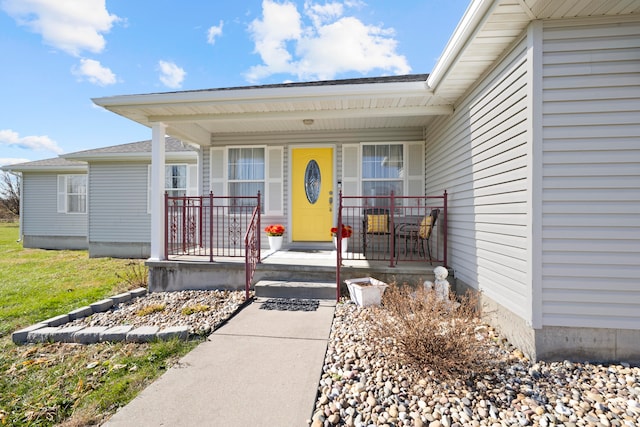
295, 289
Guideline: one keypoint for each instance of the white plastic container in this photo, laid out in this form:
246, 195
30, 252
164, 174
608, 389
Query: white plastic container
366, 291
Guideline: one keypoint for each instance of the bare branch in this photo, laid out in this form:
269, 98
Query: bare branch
10, 192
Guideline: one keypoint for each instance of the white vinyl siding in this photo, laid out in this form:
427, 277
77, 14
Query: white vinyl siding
479, 155
40, 209
118, 203
591, 174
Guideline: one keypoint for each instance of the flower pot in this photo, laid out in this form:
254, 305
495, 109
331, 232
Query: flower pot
345, 244
366, 291
275, 243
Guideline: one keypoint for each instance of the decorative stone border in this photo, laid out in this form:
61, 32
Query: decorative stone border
53, 329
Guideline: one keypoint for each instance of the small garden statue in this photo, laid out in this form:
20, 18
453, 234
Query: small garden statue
441, 286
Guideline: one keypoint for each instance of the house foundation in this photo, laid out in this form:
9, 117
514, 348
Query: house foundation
557, 343
55, 242
176, 275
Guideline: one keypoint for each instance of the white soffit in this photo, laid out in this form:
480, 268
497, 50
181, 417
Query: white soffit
194, 115
489, 27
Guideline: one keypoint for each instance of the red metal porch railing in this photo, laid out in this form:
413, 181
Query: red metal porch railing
393, 228
214, 226
252, 245
385, 228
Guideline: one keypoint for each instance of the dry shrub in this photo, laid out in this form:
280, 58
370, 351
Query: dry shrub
135, 275
444, 337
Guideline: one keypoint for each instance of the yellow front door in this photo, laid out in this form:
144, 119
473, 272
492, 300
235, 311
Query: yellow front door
311, 194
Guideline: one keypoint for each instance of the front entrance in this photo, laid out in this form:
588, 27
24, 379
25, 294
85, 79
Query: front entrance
311, 194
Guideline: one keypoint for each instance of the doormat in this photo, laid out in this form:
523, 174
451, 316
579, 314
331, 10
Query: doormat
290, 304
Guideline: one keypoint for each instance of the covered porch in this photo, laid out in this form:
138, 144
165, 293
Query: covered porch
217, 242
301, 145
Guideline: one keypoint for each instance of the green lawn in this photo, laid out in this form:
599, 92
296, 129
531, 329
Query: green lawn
66, 384
37, 284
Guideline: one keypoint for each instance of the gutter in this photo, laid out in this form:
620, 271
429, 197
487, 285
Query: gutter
268, 94
130, 157
53, 168
21, 209
468, 25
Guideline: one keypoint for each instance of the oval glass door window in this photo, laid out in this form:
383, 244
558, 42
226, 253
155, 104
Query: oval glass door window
312, 181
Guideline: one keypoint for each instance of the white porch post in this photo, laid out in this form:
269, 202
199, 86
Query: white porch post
157, 192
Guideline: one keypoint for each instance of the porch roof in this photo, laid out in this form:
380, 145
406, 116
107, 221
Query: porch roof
396, 101
486, 30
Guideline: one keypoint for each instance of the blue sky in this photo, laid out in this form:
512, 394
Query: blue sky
58, 54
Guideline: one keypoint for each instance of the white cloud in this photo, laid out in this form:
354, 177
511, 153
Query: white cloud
93, 71
6, 161
320, 14
213, 32
330, 44
69, 25
39, 143
171, 75
280, 23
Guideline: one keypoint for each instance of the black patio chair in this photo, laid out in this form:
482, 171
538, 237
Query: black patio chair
417, 235
375, 223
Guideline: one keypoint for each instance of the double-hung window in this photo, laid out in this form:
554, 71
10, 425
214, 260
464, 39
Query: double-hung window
383, 168
72, 193
175, 180
246, 173
179, 180
242, 171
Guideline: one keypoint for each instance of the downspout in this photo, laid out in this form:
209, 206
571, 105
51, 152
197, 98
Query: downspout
20, 209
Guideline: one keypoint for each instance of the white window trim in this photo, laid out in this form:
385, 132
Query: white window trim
405, 177
191, 190
63, 195
265, 179
223, 181
228, 181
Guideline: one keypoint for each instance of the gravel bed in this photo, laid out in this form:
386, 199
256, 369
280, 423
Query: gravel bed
361, 385
202, 311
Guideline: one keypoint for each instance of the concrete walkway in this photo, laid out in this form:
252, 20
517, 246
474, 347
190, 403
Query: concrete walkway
260, 369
